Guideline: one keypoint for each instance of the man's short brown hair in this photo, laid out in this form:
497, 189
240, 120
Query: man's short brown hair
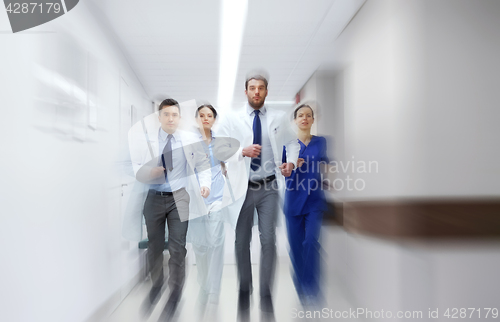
257, 77
169, 102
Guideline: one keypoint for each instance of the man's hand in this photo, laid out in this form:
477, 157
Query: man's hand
205, 192
300, 162
157, 172
252, 151
286, 169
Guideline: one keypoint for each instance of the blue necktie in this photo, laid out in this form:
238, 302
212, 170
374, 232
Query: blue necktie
257, 139
166, 157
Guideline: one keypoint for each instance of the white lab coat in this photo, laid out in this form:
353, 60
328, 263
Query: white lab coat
238, 125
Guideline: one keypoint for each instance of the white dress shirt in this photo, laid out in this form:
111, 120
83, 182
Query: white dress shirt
176, 179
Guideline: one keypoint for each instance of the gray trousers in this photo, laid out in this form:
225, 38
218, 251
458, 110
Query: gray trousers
158, 211
265, 199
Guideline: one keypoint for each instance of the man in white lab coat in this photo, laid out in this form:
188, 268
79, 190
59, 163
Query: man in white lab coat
165, 159
262, 132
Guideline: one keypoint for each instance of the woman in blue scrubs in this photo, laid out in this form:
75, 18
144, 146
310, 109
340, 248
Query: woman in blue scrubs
304, 207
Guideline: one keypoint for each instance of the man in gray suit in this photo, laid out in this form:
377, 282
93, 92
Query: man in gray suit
262, 133
178, 175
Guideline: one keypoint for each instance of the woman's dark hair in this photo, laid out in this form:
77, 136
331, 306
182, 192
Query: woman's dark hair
206, 105
301, 106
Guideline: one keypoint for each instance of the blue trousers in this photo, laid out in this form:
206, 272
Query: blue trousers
303, 235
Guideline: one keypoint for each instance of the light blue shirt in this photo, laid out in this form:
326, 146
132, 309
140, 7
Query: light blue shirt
267, 165
176, 179
217, 189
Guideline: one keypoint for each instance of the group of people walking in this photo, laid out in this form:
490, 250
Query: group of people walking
187, 195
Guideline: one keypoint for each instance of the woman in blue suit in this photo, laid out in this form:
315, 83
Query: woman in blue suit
304, 207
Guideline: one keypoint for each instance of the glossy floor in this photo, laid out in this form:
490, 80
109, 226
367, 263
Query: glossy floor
286, 303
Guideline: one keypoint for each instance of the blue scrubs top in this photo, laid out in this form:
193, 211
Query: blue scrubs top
304, 192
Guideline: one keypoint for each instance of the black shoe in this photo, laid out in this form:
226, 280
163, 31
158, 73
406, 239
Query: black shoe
266, 309
267, 317
244, 300
266, 304
171, 307
244, 316
244, 306
150, 301
154, 294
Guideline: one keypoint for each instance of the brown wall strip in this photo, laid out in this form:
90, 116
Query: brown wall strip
422, 218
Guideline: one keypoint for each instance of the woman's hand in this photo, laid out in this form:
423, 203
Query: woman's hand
286, 169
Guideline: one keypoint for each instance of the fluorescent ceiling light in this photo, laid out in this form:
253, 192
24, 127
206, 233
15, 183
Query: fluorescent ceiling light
234, 13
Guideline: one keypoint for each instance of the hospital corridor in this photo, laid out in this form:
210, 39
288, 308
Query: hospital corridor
250, 160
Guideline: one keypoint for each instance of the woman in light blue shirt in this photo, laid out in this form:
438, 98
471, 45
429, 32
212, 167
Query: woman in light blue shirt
207, 233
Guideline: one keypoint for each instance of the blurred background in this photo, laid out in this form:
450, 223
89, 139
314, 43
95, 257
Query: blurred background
406, 91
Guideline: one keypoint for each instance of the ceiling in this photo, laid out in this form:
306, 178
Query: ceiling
173, 46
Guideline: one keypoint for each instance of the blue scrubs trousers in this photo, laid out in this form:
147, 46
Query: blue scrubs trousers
303, 235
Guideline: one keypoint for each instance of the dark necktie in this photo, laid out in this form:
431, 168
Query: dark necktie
257, 139
166, 157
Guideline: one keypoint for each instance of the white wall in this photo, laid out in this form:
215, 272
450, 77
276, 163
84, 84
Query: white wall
420, 81
417, 82
62, 252
461, 114
376, 274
